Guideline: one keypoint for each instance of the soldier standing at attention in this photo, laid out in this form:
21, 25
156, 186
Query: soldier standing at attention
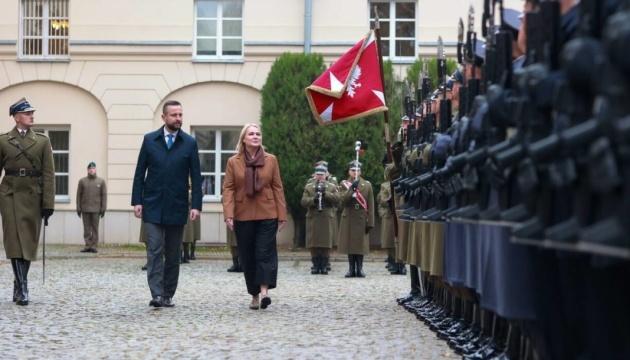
27, 193
233, 245
357, 219
320, 198
387, 223
91, 204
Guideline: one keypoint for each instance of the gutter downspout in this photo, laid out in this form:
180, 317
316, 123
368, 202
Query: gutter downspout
308, 24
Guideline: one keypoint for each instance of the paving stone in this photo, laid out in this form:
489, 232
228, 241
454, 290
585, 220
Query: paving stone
98, 308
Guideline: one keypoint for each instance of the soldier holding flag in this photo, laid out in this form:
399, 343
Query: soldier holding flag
357, 219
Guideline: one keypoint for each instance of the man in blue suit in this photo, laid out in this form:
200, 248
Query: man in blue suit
168, 159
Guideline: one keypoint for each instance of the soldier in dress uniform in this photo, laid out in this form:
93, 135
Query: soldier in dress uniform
192, 232
27, 193
91, 205
332, 179
187, 239
233, 245
320, 198
196, 237
404, 123
357, 219
384, 200
143, 239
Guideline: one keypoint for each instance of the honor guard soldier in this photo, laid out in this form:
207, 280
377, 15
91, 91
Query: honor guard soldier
233, 245
91, 205
27, 193
357, 219
401, 135
332, 179
192, 231
384, 200
320, 198
143, 239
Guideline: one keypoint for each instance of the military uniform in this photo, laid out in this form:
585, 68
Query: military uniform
27, 194
91, 203
233, 245
321, 220
356, 223
143, 239
196, 237
387, 222
192, 232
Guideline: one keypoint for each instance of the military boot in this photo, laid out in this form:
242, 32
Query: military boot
323, 265
193, 245
315, 267
359, 264
22, 275
16, 284
402, 269
351, 269
390, 263
236, 267
185, 253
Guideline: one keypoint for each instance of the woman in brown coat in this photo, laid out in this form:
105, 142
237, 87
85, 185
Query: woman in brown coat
254, 207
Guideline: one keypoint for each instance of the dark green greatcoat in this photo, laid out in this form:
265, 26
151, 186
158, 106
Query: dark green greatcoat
385, 213
321, 226
355, 220
23, 198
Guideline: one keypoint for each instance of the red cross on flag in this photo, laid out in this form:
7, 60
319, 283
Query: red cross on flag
351, 87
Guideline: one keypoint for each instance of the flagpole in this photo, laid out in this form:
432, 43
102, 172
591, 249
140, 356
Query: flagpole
390, 156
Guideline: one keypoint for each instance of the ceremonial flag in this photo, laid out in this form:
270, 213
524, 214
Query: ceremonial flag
351, 87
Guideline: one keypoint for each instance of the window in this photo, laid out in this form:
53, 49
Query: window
398, 27
44, 29
219, 29
60, 141
215, 148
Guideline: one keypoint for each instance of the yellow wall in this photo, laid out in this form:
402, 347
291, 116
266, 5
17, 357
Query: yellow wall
128, 56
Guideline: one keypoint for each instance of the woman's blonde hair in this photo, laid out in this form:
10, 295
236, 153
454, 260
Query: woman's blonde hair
240, 148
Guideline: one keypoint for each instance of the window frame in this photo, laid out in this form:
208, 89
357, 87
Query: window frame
45, 37
219, 33
392, 21
46, 129
219, 152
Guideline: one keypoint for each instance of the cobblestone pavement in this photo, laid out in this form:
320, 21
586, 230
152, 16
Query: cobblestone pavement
98, 308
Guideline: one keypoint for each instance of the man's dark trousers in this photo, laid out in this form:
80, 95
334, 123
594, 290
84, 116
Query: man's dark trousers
163, 252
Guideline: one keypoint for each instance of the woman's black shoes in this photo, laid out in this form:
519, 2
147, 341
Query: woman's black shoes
264, 302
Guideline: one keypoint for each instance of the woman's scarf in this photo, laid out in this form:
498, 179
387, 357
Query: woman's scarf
252, 185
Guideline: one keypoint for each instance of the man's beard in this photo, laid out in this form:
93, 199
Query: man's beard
173, 127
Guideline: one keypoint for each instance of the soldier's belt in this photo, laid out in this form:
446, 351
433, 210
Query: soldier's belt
22, 172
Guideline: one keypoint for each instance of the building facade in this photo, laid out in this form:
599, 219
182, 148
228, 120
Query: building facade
99, 71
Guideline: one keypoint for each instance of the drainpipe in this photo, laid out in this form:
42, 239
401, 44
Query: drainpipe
308, 24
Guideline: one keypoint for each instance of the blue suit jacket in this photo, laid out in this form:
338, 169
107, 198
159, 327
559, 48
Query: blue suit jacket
160, 184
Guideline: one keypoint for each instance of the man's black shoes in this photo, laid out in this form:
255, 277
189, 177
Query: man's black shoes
167, 302
157, 302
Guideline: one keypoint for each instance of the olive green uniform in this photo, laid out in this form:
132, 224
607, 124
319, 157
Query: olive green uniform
23, 197
91, 203
233, 245
321, 222
355, 221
